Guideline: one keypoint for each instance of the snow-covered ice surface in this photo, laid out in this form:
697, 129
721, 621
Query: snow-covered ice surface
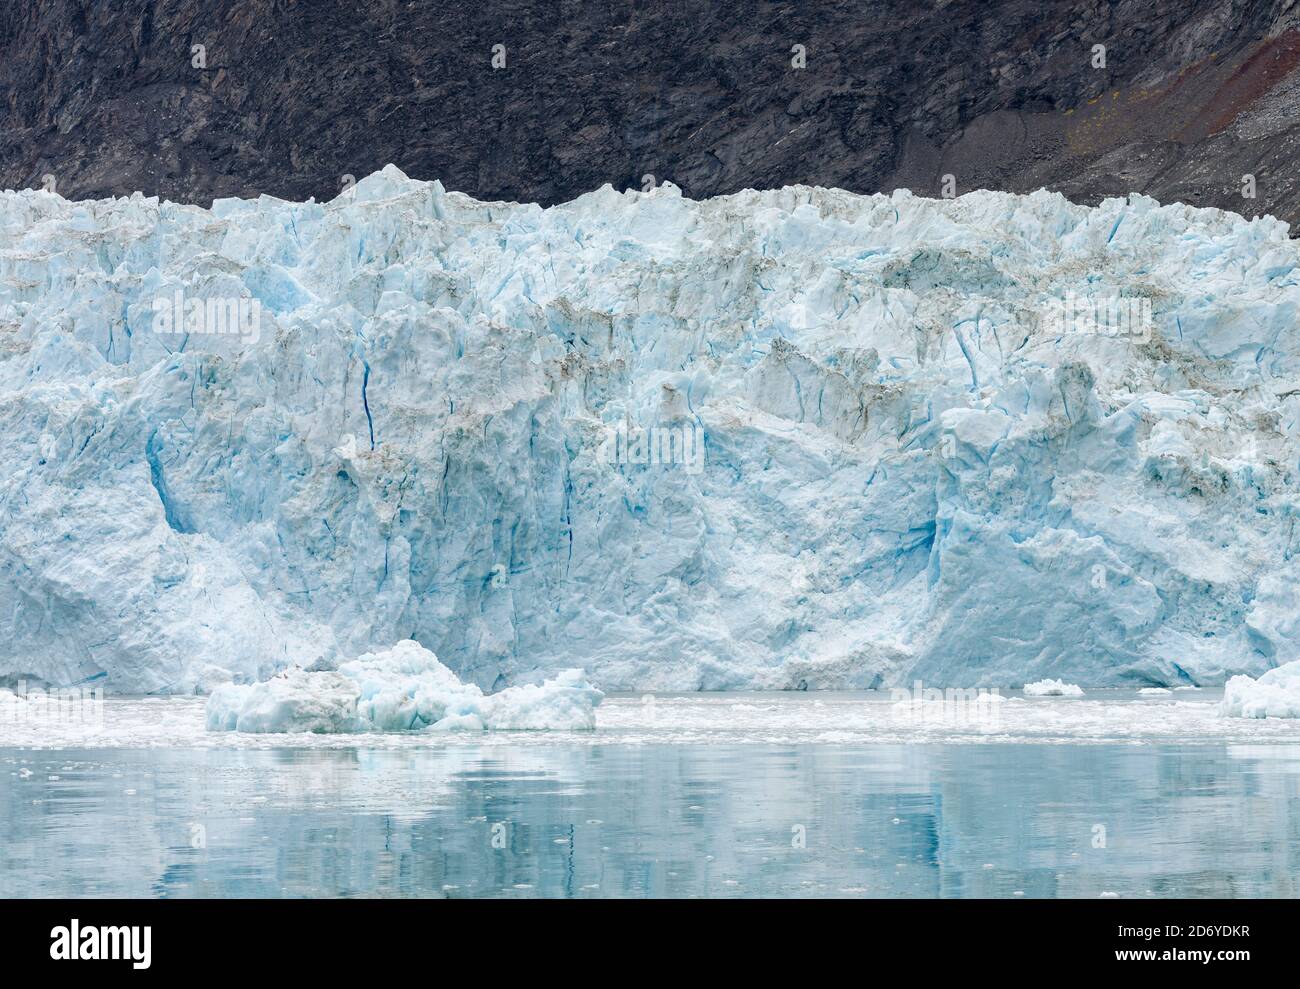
710, 719
911, 468
400, 689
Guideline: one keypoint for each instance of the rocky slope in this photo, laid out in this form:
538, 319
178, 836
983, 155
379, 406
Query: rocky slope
291, 97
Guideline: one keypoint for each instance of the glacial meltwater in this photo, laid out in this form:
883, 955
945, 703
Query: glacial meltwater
795, 795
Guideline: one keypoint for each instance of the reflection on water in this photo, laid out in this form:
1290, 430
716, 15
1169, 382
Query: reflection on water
668, 821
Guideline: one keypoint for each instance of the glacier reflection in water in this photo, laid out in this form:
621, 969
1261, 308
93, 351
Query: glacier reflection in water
655, 820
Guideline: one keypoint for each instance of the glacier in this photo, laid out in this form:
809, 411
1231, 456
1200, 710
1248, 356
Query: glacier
797, 438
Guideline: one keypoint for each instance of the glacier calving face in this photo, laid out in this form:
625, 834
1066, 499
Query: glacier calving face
892, 453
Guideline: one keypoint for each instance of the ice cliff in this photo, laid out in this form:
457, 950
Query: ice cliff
895, 450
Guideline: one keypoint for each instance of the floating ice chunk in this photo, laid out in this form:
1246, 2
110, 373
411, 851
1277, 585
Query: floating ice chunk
1052, 688
1276, 694
292, 701
1155, 690
564, 701
404, 688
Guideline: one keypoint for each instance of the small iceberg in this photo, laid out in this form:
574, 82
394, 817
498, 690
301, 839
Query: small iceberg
404, 688
1053, 688
1276, 694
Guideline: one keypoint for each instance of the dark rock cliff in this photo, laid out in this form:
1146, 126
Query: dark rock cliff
291, 96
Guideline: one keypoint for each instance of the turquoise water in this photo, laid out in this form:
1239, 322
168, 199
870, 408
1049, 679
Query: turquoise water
910, 820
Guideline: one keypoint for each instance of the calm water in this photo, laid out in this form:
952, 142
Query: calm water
654, 820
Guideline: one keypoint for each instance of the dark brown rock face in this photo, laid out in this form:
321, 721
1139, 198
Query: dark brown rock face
286, 97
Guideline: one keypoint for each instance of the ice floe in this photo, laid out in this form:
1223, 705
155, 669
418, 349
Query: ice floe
401, 689
1276, 694
1053, 688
